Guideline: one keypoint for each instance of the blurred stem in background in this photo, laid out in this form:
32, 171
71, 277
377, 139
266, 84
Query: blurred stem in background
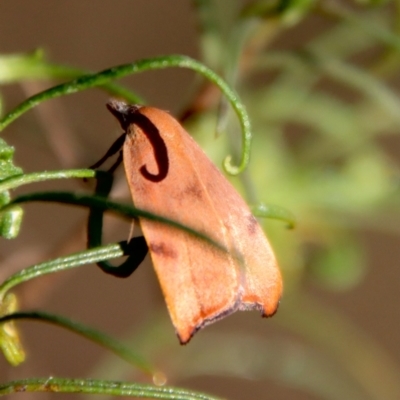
319, 108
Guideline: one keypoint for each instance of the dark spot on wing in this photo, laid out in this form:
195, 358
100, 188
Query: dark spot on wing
162, 250
193, 190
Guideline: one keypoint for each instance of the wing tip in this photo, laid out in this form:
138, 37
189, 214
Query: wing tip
186, 334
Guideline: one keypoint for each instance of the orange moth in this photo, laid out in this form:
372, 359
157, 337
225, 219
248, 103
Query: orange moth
169, 175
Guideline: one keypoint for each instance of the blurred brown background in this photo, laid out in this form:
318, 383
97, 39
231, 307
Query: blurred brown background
96, 35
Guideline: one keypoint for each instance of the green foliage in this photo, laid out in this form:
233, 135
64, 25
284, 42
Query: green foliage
10, 221
10, 343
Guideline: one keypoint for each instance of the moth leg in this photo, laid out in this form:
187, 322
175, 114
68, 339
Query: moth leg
136, 249
115, 147
116, 164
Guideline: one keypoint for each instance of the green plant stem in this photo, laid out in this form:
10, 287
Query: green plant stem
103, 204
18, 67
98, 79
87, 386
89, 333
93, 255
60, 264
23, 179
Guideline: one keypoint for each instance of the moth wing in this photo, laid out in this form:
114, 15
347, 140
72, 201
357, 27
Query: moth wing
200, 282
260, 278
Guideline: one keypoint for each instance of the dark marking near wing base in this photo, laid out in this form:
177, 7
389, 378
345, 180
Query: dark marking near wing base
163, 250
130, 114
159, 147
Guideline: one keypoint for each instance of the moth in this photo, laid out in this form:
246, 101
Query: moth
169, 175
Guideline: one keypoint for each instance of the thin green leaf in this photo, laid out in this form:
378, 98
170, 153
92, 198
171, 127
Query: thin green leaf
16, 181
104, 204
60, 264
89, 333
91, 386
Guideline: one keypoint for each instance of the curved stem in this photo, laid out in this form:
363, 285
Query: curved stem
97, 79
18, 67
